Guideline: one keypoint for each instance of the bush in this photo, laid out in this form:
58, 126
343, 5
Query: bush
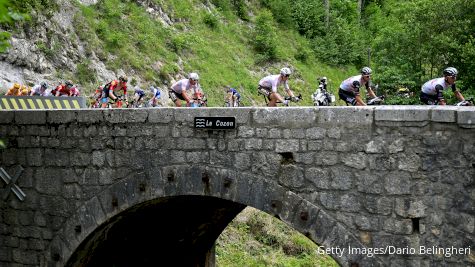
211, 20
85, 73
179, 43
264, 41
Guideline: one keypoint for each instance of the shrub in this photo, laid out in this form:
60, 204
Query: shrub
85, 73
265, 37
211, 20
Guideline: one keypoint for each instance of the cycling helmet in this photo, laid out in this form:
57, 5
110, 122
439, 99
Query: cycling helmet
68, 83
450, 71
366, 71
44, 85
16, 86
193, 76
285, 71
323, 79
123, 78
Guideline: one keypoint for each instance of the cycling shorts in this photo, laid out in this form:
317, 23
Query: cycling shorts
429, 99
348, 97
175, 96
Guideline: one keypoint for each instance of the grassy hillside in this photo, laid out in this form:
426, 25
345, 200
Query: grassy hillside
212, 41
254, 238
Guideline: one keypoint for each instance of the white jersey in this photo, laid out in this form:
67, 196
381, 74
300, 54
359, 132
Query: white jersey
272, 82
184, 84
349, 84
37, 90
429, 86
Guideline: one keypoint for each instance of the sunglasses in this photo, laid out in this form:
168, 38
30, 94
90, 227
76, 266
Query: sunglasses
286, 75
367, 76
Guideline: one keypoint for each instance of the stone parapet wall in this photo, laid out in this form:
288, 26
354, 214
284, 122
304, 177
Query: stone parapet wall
378, 177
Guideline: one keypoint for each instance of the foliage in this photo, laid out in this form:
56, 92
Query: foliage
254, 238
85, 73
7, 17
265, 37
211, 20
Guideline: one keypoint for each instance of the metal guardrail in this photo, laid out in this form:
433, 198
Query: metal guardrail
41, 102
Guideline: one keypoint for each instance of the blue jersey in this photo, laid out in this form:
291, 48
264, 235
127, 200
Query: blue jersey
139, 92
235, 92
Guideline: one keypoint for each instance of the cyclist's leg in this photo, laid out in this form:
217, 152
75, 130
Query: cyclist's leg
428, 99
273, 98
347, 97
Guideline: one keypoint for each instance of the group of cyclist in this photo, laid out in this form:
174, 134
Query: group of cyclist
62, 89
190, 91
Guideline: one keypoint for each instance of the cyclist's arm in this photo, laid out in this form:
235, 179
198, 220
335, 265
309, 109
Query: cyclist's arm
370, 91
359, 100
457, 93
438, 90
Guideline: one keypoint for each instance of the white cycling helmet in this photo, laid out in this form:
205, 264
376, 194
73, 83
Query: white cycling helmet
323, 79
450, 71
285, 71
366, 71
193, 76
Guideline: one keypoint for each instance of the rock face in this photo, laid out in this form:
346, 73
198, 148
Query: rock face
50, 47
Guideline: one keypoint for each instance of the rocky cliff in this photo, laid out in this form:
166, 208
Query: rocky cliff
47, 47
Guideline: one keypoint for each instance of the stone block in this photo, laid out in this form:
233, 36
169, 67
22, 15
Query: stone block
444, 114
402, 113
30, 117
6, 117
315, 133
242, 115
90, 116
378, 205
160, 115
284, 117
319, 177
466, 117
61, 116
344, 115
398, 183
397, 226
357, 161
410, 208
125, 115
291, 176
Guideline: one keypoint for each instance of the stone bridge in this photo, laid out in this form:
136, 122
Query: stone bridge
375, 186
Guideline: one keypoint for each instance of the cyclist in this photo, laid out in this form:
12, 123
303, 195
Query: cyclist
15, 90
25, 90
138, 96
233, 98
115, 85
350, 88
64, 89
74, 91
268, 87
199, 98
323, 83
96, 97
178, 91
431, 91
156, 94
40, 90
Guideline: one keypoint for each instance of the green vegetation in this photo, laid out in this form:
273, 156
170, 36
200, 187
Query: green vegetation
219, 45
254, 238
237, 42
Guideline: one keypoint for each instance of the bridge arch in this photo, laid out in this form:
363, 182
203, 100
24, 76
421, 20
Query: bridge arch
224, 189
